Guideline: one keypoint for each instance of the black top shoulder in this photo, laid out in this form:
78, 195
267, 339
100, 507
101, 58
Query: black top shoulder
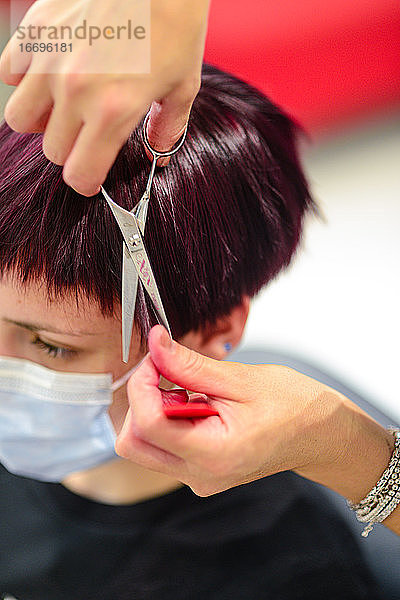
274, 539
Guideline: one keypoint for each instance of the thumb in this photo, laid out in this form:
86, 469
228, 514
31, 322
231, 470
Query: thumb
167, 123
192, 370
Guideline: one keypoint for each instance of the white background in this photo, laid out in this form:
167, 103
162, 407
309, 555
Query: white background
338, 306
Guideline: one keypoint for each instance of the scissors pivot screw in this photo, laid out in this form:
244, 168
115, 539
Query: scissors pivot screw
135, 262
134, 240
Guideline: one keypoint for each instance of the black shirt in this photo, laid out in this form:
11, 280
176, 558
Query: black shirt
274, 539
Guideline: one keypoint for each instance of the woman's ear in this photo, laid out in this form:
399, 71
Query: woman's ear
219, 339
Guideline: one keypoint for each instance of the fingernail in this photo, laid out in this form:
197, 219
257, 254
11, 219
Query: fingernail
162, 162
165, 340
88, 192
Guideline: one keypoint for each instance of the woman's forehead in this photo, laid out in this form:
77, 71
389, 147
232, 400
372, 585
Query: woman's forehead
71, 313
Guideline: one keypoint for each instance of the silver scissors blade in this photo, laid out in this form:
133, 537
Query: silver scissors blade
129, 291
130, 280
138, 265
135, 262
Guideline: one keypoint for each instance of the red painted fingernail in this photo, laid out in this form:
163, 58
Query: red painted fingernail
179, 405
163, 162
174, 396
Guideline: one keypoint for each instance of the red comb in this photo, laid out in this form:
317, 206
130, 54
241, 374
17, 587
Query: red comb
178, 405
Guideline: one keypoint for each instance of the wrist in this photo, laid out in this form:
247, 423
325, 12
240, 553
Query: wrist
383, 499
353, 456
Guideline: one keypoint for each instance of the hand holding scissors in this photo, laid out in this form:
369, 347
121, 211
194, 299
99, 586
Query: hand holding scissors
136, 265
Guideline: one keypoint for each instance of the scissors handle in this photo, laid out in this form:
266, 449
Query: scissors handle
135, 262
158, 153
141, 208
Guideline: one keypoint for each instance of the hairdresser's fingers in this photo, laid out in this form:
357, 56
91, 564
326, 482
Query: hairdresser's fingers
202, 479
192, 370
30, 105
62, 130
148, 421
94, 152
146, 402
146, 406
145, 454
169, 117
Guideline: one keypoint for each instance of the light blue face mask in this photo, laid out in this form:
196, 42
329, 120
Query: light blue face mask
54, 423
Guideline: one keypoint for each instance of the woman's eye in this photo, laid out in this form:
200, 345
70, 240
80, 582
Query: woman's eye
53, 351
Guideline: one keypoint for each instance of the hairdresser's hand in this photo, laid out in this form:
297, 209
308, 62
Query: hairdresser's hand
85, 108
272, 418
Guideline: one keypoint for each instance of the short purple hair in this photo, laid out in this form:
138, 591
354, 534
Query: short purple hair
225, 216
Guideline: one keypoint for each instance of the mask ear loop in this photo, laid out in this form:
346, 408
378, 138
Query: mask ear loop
118, 383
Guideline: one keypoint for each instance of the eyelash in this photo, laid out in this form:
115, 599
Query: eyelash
53, 351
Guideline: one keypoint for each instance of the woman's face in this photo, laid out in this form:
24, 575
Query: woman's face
64, 337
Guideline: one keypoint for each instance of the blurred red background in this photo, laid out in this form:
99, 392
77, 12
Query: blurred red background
327, 63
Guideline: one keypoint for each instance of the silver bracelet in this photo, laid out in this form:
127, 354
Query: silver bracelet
381, 501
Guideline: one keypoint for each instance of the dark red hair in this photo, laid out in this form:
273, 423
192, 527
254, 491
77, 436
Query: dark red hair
225, 216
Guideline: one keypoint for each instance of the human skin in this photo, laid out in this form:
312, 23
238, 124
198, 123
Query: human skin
86, 117
271, 419
95, 342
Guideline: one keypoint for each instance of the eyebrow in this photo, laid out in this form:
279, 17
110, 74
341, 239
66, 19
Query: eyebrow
36, 327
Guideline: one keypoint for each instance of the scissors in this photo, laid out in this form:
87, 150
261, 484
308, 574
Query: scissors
135, 261
136, 265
